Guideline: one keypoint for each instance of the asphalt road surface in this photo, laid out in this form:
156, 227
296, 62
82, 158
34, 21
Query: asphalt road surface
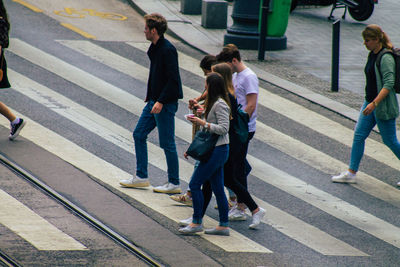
79, 73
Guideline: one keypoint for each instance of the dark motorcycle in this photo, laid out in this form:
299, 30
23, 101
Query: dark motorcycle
359, 9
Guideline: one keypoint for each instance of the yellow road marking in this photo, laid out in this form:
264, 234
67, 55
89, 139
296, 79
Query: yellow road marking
32, 7
79, 31
70, 12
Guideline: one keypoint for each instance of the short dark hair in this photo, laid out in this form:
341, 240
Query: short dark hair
156, 21
207, 62
228, 53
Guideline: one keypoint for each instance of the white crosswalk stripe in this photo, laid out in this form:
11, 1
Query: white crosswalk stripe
33, 228
287, 224
318, 240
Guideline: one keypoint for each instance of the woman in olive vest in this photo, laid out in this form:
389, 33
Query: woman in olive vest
380, 106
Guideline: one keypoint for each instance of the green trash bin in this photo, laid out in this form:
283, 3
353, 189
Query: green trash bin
278, 19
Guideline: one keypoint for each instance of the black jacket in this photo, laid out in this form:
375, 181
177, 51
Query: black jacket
164, 84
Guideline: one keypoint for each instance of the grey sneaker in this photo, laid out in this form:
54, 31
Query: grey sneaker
191, 230
168, 188
345, 177
135, 182
16, 128
257, 217
215, 231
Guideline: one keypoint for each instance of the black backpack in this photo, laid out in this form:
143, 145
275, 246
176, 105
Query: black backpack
241, 125
396, 55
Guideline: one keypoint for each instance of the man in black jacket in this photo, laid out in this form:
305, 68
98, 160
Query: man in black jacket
164, 88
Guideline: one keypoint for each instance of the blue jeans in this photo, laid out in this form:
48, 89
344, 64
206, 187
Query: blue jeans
363, 128
165, 122
212, 171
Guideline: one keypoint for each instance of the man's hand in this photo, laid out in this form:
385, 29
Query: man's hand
156, 108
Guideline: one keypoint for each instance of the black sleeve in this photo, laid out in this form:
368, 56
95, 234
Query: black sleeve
4, 29
172, 87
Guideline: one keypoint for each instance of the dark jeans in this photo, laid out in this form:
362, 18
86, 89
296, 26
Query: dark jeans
230, 177
213, 172
165, 122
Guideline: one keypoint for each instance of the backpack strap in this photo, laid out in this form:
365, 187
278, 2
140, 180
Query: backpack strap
379, 58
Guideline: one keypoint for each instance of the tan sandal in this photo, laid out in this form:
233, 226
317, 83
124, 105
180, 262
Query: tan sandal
184, 199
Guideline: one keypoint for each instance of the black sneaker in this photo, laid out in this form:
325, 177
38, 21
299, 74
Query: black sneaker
16, 128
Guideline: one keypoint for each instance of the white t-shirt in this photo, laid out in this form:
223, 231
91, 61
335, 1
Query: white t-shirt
246, 82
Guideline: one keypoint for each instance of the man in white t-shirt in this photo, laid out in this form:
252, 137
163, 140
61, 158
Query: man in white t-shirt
245, 82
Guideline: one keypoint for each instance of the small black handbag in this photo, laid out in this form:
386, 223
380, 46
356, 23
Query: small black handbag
202, 145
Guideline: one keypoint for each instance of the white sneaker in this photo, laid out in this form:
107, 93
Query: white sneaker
185, 222
135, 182
257, 218
232, 210
398, 184
168, 188
236, 214
345, 177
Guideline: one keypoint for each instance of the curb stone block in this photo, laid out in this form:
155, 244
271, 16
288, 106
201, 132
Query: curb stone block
214, 14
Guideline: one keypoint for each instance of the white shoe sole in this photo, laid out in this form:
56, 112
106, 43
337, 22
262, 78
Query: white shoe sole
135, 185
237, 218
345, 181
173, 191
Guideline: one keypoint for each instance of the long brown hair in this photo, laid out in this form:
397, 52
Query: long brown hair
216, 89
375, 32
226, 72
3, 12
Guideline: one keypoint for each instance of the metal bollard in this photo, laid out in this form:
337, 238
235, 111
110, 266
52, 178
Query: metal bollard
263, 29
191, 7
335, 56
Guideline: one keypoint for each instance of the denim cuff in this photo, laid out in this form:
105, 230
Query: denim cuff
224, 224
197, 221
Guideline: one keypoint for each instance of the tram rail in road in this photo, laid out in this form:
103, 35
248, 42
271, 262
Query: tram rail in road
7, 261
120, 240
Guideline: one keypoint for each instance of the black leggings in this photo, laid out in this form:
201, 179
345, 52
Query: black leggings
236, 170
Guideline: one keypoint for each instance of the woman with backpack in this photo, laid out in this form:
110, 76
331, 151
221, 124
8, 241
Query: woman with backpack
380, 106
16, 124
